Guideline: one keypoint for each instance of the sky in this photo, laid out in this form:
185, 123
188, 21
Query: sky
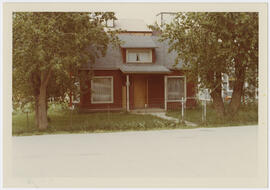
145, 11
148, 17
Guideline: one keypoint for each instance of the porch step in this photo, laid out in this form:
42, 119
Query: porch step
147, 110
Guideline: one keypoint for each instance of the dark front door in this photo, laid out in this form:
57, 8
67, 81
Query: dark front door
140, 92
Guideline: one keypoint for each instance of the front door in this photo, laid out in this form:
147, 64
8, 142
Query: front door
140, 92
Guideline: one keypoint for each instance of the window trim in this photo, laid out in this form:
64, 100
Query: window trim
102, 102
185, 89
149, 50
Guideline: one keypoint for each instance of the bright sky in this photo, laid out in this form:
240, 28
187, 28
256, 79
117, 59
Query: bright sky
148, 17
145, 11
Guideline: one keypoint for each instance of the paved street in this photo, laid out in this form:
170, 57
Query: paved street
202, 152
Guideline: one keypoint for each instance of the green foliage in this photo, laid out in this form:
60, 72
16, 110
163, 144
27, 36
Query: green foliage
55, 44
72, 122
215, 42
247, 115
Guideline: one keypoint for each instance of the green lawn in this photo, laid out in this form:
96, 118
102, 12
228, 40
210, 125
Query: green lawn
247, 115
62, 121
65, 122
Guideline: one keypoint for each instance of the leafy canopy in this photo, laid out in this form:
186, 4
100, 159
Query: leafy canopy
55, 43
214, 41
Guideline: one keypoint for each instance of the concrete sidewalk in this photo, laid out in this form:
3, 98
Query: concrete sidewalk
163, 115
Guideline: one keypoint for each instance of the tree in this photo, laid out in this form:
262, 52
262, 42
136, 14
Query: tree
212, 44
50, 46
240, 34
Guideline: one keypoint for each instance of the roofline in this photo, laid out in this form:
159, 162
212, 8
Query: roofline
136, 31
96, 69
152, 47
166, 13
137, 72
146, 72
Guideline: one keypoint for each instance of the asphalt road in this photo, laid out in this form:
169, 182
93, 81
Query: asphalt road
203, 152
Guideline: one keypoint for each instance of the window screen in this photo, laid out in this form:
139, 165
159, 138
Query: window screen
175, 88
102, 90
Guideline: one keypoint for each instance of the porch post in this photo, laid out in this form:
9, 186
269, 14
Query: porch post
165, 93
127, 83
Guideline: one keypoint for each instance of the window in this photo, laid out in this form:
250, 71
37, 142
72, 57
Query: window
139, 56
102, 89
175, 88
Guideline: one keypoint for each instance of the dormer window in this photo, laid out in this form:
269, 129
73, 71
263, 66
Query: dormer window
139, 56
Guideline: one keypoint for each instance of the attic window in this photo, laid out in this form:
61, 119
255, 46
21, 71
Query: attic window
139, 56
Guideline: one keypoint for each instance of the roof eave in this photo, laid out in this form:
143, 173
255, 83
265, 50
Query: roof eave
132, 47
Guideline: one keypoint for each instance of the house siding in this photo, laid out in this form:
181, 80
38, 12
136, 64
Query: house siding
124, 55
155, 91
118, 82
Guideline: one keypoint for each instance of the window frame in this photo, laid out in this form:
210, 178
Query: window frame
185, 89
148, 50
112, 91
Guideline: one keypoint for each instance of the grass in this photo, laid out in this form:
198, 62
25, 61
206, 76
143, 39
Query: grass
65, 122
62, 121
247, 115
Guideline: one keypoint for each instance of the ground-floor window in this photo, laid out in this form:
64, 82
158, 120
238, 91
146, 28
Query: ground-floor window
175, 88
102, 89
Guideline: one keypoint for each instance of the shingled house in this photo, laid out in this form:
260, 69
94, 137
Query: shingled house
139, 74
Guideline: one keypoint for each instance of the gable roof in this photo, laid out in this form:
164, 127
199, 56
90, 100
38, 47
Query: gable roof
136, 41
113, 59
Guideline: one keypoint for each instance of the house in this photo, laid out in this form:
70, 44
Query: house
138, 74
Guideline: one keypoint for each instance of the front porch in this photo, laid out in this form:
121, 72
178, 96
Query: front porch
144, 93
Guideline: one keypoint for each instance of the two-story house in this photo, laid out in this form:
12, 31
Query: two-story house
140, 73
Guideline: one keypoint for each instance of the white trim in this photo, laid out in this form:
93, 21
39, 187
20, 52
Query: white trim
103, 102
138, 49
185, 88
127, 96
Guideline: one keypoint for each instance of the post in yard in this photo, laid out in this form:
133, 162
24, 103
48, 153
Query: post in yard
182, 109
203, 111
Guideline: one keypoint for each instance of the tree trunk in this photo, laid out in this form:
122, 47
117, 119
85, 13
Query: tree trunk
42, 110
236, 96
218, 102
237, 91
216, 93
36, 112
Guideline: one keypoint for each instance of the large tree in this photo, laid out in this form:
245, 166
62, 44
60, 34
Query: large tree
49, 47
212, 44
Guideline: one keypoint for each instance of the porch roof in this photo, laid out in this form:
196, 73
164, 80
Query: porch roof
151, 69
